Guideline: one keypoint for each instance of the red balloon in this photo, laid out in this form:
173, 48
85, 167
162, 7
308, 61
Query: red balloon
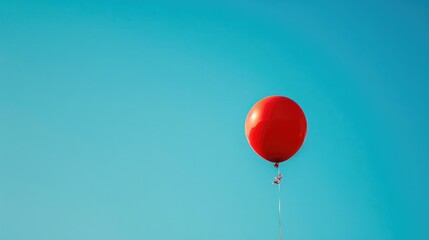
276, 128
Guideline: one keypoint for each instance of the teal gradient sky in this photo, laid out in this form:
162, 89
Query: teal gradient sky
125, 119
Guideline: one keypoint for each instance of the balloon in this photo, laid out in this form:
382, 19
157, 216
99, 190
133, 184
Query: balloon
276, 128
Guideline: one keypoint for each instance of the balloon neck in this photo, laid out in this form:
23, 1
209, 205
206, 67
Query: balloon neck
276, 165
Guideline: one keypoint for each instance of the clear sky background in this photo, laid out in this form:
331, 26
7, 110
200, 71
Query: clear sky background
125, 119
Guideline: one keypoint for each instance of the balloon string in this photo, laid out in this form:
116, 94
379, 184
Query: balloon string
280, 220
277, 181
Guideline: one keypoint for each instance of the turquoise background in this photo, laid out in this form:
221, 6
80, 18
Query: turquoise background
125, 119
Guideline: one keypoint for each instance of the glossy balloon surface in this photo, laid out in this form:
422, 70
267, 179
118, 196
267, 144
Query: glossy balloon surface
276, 128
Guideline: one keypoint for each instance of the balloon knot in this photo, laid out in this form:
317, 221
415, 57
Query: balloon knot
276, 165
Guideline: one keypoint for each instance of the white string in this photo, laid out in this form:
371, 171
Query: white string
279, 212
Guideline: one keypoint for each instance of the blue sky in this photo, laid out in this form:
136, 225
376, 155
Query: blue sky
125, 119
